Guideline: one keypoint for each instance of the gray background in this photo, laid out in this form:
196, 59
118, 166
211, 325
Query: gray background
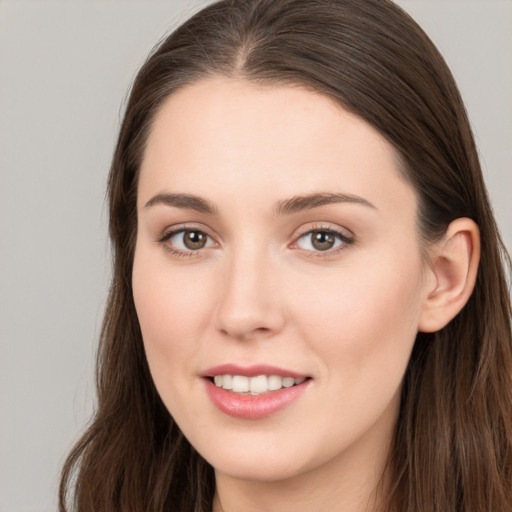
65, 68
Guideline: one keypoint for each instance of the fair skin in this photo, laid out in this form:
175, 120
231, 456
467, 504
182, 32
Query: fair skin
334, 291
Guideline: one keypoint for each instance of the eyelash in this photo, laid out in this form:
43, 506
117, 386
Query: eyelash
344, 240
180, 253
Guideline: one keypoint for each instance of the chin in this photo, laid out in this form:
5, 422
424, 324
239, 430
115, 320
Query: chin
254, 463
249, 471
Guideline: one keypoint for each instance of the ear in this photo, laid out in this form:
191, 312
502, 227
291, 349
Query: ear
453, 268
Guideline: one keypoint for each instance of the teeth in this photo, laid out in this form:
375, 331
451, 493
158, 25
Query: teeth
274, 383
288, 382
240, 384
258, 384
227, 381
255, 385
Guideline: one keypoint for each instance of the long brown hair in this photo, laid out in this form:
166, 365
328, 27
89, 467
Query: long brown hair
452, 449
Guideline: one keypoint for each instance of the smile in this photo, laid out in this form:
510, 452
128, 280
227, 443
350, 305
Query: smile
254, 392
255, 385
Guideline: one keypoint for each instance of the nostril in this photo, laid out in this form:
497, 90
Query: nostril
245, 332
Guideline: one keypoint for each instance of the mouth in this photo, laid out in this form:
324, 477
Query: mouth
256, 385
253, 392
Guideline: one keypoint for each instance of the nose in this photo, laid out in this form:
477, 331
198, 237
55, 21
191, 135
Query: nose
250, 304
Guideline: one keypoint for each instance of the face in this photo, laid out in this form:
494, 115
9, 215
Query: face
278, 278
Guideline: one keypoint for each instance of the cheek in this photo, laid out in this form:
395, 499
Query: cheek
361, 328
364, 318
171, 311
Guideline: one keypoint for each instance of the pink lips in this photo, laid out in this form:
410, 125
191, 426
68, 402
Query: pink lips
252, 406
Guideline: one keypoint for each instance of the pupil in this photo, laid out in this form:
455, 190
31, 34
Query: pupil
323, 240
194, 240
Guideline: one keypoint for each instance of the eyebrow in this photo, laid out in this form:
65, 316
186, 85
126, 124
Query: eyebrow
286, 207
307, 202
188, 201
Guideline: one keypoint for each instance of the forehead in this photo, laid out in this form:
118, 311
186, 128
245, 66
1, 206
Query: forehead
224, 139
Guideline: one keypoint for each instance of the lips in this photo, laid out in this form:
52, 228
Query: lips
253, 392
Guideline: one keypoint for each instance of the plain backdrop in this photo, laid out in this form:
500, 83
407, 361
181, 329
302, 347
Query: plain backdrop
65, 69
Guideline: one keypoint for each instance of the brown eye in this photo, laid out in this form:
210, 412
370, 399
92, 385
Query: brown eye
322, 240
187, 240
194, 240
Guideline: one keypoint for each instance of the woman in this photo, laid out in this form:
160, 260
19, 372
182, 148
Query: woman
309, 307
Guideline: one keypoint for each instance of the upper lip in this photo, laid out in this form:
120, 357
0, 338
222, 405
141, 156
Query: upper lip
251, 371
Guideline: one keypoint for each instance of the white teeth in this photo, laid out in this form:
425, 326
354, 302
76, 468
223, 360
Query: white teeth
227, 381
255, 385
258, 384
288, 382
275, 382
240, 384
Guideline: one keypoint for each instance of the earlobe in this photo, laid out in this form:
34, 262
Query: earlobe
454, 264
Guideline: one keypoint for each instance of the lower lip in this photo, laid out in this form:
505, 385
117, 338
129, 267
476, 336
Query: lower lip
253, 406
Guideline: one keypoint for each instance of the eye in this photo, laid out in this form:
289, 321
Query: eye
322, 240
188, 240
